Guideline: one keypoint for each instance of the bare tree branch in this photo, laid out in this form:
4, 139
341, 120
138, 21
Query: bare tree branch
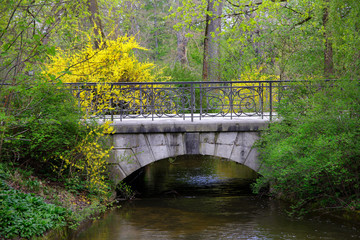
9, 21
301, 22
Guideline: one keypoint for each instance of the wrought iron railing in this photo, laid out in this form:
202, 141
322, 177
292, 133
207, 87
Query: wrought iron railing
186, 100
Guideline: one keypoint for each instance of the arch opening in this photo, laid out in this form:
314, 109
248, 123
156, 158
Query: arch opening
192, 175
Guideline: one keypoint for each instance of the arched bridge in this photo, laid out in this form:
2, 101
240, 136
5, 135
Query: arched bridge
160, 120
138, 143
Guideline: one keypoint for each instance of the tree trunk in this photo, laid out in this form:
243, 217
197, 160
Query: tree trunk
58, 11
211, 62
134, 30
156, 32
328, 48
95, 22
181, 42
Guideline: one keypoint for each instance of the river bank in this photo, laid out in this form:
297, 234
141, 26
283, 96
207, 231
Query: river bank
42, 208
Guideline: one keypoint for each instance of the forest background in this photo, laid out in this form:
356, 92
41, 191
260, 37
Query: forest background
46, 43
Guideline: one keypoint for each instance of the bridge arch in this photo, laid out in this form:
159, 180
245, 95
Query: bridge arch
137, 144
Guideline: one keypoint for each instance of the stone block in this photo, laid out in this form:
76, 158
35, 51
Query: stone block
247, 139
223, 151
207, 144
116, 173
160, 152
144, 155
158, 145
224, 144
252, 160
175, 144
156, 139
127, 160
128, 140
192, 143
226, 138
239, 153
243, 146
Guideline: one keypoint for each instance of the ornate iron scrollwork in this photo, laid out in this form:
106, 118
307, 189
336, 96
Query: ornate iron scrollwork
177, 100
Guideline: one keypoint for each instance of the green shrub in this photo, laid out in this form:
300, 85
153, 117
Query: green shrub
311, 156
50, 134
181, 74
75, 184
125, 190
47, 127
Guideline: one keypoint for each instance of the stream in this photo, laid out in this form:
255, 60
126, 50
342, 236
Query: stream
194, 197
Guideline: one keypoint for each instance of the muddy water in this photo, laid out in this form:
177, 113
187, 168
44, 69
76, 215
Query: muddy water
205, 198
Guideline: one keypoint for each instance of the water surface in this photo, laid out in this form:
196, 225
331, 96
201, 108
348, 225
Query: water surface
206, 198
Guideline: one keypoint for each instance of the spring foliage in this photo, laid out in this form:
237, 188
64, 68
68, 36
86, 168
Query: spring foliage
311, 156
89, 158
113, 61
56, 139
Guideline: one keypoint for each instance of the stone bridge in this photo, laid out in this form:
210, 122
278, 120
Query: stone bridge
139, 142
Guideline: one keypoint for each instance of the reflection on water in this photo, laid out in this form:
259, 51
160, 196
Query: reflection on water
194, 176
205, 199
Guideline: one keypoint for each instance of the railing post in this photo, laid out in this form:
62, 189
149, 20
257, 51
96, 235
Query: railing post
231, 101
261, 100
111, 103
192, 105
152, 102
79, 101
95, 104
122, 106
270, 98
141, 102
201, 100
182, 97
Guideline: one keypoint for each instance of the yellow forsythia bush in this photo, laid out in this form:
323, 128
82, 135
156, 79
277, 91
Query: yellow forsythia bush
90, 157
113, 61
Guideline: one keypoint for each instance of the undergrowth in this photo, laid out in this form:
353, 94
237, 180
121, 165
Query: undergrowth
31, 206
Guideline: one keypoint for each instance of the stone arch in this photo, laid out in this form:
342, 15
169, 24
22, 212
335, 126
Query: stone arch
133, 151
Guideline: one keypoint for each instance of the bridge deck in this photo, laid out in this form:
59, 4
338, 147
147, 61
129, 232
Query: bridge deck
168, 125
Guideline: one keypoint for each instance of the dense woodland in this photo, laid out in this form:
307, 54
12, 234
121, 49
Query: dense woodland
311, 157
